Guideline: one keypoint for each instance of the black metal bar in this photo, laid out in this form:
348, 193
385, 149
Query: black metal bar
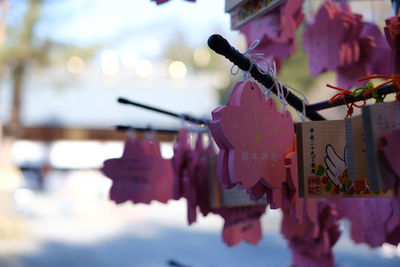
126, 128
387, 89
176, 264
221, 46
185, 117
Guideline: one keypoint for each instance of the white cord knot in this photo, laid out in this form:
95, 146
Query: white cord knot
280, 90
253, 58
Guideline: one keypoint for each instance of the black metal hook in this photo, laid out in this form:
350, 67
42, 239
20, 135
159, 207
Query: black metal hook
185, 117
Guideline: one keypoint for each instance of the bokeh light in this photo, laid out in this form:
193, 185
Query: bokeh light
109, 62
75, 64
177, 70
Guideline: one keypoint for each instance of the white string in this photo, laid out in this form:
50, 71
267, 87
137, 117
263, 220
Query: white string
280, 91
246, 74
253, 58
304, 101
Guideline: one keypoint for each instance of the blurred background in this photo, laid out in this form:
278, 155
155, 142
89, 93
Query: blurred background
63, 64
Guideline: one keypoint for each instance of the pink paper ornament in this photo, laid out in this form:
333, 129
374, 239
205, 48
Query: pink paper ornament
249, 231
196, 171
311, 243
392, 225
257, 138
180, 161
339, 40
276, 30
368, 217
300, 208
381, 52
242, 224
140, 175
323, 40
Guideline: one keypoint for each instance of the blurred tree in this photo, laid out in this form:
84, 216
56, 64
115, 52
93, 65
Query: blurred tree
22, 48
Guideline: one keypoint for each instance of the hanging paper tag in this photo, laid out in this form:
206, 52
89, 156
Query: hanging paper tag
323, 40
241, 215
180, 161
378, 119
256, 135
242, 224
276, 30
234, 197
311, 242
324, 166
368, 218
249, 231
301, 209
341, 41
140, 175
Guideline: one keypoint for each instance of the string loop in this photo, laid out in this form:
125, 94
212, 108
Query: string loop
393, 79
342, 94
280, 90
253, 58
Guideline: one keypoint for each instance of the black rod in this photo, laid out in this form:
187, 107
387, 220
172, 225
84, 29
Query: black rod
127, 127
387, 89
221, 46
169, 113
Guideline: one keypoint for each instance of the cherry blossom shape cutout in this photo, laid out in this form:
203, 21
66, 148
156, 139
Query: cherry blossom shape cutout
323, 40
257, 136
139, 175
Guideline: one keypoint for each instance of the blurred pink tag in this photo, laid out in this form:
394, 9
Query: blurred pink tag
249, 231
368, 217
196, 170
311, 242
276, 30
242, 224
381, 53
300, 208
341, 41
393, 224
202, 173
389, 159
180, 161
323, 40
140, 175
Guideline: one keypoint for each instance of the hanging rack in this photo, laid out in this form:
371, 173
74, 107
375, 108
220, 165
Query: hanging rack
183, 116
221, 46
